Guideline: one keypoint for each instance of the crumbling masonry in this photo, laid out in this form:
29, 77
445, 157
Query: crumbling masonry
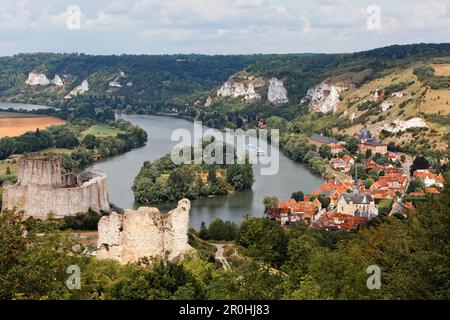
42, 188
144, 233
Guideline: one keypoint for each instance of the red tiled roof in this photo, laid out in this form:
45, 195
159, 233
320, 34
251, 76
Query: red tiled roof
427, 174
432, 190
339, 221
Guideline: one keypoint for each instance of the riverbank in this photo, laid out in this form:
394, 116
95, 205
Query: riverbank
122, 170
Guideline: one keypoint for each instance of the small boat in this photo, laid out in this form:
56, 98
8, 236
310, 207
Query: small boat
254, 149
260, 152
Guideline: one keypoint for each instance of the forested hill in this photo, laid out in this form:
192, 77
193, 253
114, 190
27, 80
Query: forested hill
182, 82
304, 72
138, 79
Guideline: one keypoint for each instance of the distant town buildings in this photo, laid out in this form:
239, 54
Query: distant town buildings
319, 140
343, 164
429, 179
291, 211
358, 205
351, 202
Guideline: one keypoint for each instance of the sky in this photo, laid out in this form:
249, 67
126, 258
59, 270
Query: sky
218, 26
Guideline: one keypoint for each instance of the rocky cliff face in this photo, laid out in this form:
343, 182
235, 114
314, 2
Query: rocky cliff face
81, 89
40, 79
116, 82
249, 88
277, 93
241, 86
144, 233
57, 81
400, 126
37, 79
324, 97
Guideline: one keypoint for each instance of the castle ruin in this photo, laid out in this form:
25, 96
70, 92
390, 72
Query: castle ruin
144, 233
42, 188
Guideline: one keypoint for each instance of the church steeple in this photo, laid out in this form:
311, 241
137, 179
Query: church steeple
356, 189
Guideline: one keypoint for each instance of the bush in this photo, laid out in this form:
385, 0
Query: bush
83, 221
219, 230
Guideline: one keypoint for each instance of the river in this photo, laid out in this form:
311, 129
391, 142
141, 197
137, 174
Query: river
122, 169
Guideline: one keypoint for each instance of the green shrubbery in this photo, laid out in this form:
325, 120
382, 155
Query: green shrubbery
219, 230
276, 263
426, 76
82, 221
163, 181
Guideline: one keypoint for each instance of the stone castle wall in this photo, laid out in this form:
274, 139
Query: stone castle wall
41, 189
40, 171
144, 233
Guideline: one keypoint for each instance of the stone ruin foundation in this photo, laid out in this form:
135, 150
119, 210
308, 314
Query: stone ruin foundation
144, 233
42, 188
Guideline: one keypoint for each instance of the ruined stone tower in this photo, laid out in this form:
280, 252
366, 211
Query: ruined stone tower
144, 233
42, 188
43, 171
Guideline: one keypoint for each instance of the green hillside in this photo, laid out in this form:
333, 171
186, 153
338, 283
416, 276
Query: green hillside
153, 79
189, 86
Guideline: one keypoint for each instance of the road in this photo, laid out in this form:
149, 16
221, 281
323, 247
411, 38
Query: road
406, 168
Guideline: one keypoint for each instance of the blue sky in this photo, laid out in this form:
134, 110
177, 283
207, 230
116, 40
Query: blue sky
219, 26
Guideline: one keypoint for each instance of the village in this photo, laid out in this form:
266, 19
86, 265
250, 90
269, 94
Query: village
381, 184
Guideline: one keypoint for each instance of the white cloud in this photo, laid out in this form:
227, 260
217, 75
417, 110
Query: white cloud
220, 26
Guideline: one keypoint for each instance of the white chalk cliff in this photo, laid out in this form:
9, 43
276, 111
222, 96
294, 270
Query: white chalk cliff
37, 79
81, 89
241, 86
277, 93
400, 125
40, 79
323, 97
208, 102
385, 106
57, 81
116, 82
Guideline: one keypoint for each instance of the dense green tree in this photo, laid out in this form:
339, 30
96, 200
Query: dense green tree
270, 202
419, 163
203, 233
368, 182
264, 239
155, 280
414, 185
325, 151
240, 176
90, 141
34, 258
222, 230
324, 200
298, 196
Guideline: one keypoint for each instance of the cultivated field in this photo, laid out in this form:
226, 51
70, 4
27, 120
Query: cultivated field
12, 127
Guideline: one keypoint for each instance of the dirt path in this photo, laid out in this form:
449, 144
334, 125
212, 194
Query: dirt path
220, 256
